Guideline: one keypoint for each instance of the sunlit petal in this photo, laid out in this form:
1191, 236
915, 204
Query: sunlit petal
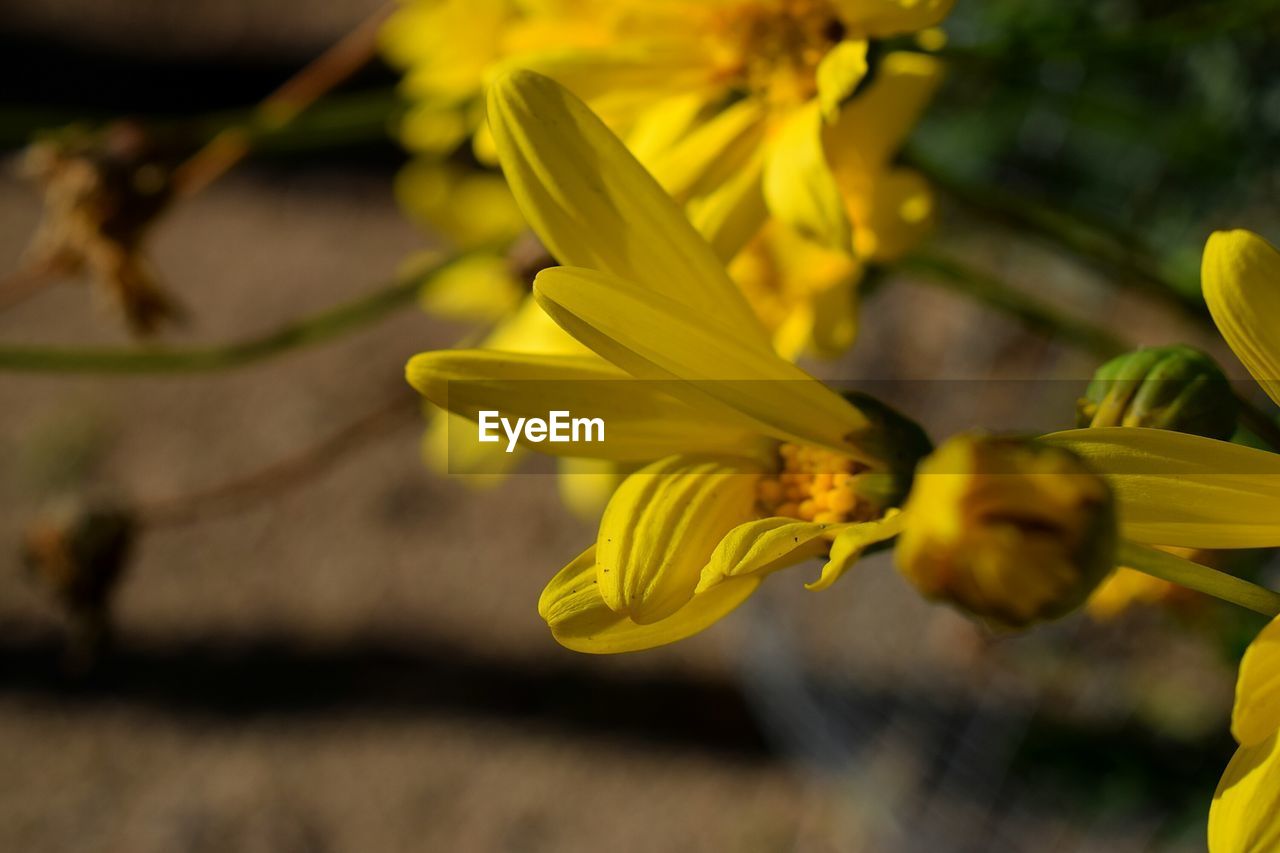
662, 525
1172, 488
594, 206
1241, 279
1245, 815
580, 620
654, 338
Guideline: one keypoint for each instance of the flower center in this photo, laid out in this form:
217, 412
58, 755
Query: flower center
818, 485
772, 49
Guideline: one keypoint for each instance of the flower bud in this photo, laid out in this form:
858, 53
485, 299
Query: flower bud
1174, 387
78, 554
902, 443
1009, 530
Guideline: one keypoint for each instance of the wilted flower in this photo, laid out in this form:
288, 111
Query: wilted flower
78, 554
1009, 530
103, 190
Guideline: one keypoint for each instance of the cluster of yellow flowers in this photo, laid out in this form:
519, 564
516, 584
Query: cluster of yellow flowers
706, 181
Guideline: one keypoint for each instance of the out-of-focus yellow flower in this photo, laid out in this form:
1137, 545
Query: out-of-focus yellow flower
1009, 530
742, 109
758, 467
1245, 815
1124, 588
803, 293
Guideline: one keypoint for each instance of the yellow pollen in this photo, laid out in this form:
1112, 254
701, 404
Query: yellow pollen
814, 485
773, 49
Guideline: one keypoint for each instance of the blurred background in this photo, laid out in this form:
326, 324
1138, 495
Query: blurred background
316, 645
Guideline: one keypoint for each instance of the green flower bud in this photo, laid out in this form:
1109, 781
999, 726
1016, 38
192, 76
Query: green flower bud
1012, 531
903, 443
1174, 387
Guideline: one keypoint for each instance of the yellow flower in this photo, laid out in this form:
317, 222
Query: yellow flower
742, 109
1010, 530
1245, 815
758, 467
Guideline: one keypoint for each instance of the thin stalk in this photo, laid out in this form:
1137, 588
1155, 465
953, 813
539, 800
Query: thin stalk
347, 56
271, 481
307, 331
1095, 244
1200, 578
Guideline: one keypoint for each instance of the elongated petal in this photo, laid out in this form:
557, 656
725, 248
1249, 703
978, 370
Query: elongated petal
884, 18
1241, 279
1245, 815
450, 446
594, 206
1256, 715
892, 212
713, 154
839, 74
585, 485
762, 546
852, 540
1177, 489
641, 421
580, 620
654, 338
870, 129
799, 186
662, 525
769, 544
734, 212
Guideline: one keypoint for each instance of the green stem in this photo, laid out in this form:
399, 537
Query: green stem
1200, 578
991, 291
1097, 244
318, 328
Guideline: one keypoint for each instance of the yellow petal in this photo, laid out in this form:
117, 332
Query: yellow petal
594, 206
871, 128
529, 329
1245, 815
852, 540
663, 125
449, 448
1177, 489
585, 485
641, 421
763, 546
730, 215
654, 338
580, 620
891, 212
798, 184
769, 544
1241, 279
884, 18
713, 154
621, 82
480, 287
839, 74
662, 525
1256, 715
